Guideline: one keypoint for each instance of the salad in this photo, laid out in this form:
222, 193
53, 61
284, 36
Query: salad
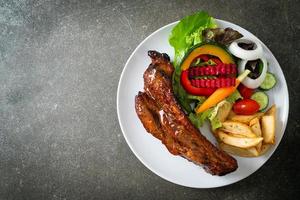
222, 77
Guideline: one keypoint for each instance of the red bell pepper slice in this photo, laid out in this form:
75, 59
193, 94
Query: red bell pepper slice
187, 85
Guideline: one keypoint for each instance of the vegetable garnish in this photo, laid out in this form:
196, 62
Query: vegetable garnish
261, 98
246, 54
204, 70
258, 72
206, 85
206, 49
221, 93
192, 89
221, 36
269, 82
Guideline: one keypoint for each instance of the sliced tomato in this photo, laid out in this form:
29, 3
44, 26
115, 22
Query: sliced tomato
245, 92
245, 107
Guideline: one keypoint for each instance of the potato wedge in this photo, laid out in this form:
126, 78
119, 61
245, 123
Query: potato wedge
268, 128
268, 122
244, 118
255, 127
250, 152
238, 141
237, 128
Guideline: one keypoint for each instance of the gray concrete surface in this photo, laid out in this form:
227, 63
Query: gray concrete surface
60, 63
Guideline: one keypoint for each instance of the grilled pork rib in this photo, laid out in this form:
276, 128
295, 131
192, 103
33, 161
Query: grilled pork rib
163, 117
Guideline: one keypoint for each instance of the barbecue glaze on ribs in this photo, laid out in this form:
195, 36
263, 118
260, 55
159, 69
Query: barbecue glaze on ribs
163, 117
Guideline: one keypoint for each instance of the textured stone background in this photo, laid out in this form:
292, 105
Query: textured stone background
60, 63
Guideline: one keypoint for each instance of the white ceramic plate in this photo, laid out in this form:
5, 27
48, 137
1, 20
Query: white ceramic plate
151, 152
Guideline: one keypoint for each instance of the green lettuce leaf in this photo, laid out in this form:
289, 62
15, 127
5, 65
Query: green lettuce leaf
188, 32
215, 123
199, 119
215, 110
195, 120
214, 120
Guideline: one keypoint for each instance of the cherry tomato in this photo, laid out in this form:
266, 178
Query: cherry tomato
245, 107
245, 92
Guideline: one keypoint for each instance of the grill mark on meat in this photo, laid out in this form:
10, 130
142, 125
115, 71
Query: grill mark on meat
163, 117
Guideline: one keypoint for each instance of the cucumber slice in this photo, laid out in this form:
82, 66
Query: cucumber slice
261, 98
269, 82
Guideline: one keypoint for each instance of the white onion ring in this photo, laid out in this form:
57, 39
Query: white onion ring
244, 54
253, 83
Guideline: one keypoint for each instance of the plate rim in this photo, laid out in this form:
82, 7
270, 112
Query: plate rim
141, 159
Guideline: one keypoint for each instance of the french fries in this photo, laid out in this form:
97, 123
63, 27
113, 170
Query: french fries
255, 127
244, 118
247, 135
268, 122
238, 129
242, 142
268, 128
250, 152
